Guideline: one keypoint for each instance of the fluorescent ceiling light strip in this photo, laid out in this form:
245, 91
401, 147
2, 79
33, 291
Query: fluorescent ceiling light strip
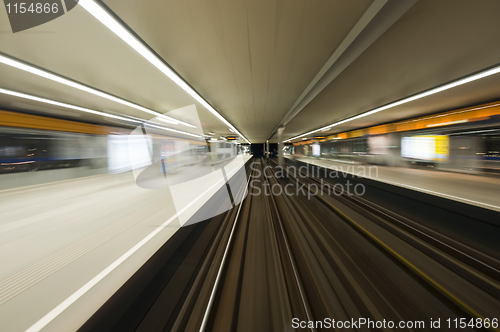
444, 87
473, 132
19, 65
57, 103
99, 13
170, 129
452, 113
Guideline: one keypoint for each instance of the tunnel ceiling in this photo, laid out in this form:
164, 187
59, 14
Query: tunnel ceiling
433, 43
249, 59
253, 59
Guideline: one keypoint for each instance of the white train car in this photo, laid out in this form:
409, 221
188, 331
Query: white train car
222, 151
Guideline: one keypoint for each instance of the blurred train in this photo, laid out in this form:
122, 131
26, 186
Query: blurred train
222, 151
466, 140
33, 143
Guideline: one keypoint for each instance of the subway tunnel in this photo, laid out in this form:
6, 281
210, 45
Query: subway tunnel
249, 165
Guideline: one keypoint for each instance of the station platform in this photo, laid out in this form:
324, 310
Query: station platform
478, 190
284, 255
68, 246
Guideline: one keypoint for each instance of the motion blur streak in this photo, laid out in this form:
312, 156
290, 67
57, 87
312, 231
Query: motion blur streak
57, 103
45, 320
106, 19
82, 166
430, 92
53, 77
465, 140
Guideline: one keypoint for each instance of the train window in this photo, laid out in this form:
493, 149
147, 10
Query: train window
26, 152
10, 151
492, 147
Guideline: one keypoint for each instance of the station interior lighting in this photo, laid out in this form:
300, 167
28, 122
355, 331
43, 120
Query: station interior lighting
111, 23
444, 87
88, 110
33, 70
57, 103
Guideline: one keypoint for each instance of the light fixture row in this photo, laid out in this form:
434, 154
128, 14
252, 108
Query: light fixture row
40, 72
465, 80
87, 110
111, 23
98, 12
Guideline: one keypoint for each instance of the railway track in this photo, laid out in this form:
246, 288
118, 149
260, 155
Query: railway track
477, 268
277, 262
259, 288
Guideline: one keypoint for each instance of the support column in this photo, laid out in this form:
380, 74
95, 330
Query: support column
267, 148
281, 131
